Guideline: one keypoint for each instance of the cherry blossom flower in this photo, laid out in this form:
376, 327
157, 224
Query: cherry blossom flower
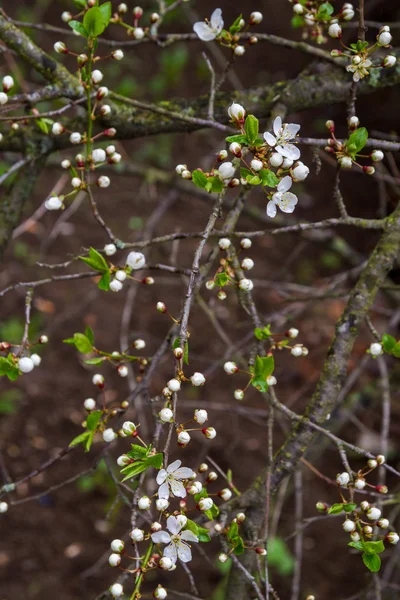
209, 31
178, 546
282, 198
281, 140
169, 480
359, 68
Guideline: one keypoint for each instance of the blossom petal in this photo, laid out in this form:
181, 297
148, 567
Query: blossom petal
173, 525
216, 20
277, 125
288, 202
177, 488
173, 466
161, 537
161, 476
289, 151
183, 473
292, 129
285, 184
170, 552
163, 491
271, 209
184, 552
269, 138
204, 31
189, 536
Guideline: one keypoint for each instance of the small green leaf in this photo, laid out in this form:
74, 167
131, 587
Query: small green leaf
264, 333
214, 184
94, 22
233, 531
81, 4
134, 469
357, 545
93, 419
374, 547
349, 507
251, 126
335, 509
186, 353
106, 11
372, 562
235, 27
81, 343
253, 179
221, 279
95, 361
137, 452
104, 282
240, 138
155, 461
44, 124
357, 140
80, 439
89, 334
95, 260
78, 27
325, 11
203, 534
238, 545
264, 366
245, 173
192, 526
297, 21
268, 178
199, 178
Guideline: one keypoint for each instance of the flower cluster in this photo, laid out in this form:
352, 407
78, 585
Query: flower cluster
361, 519
348, 152
213, 29
271, 161
316, 17
7, 85
18, 359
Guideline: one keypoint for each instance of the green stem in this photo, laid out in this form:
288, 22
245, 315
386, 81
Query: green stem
139, 578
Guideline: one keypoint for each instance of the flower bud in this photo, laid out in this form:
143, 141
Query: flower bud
236, 112
231, 368
66, 164
225, 494
117, 546
346, 162
54, 203
60, 48
372, 464
349, 525
369, 170
129, 428
138, 33
297, 350
166, 415
25, 364
162, 504
110, 249
246, 285
224, 243
355, 536
122, 8
183, 438
116, 590
236, 149
89, 404
161, 307
165, 563
376, 349
205, 504
276, 159
109, 435
335, 31
392, 538
223, 557
75, 138
382, 489
97, 76
82, 59
360, 484
110, 132
198, 379
261, 551
116, 286
343, 479
298, 8
114, 560
238, 394
239, 50
353, 122
144, 503
255, 18
200, 416
160, 593
123, 460
380, 459
66, 16
373, 513
212, 476
221, 295
384, 37
3, 508
137, 535
174, 385
364, 505
330, 125
321, 507
367, 531
209, 432
178, 353
389, 61
383, 523
105, 110
102, 92
300, 172
246, 243
80, 160
117, 54
98, 380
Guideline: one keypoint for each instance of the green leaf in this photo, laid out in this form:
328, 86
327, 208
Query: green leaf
78, 27
192, 526
372, 562
95, 361
235, 27
186, 353
155, 461
238, 545
81, 343
93, 419
214, 184
94, 22
240, 138
221, 279
264, 366
104, 282
203, 534
44, 124
8, 368
357, 140
134, 469
253, 179
325, 11
200, 495
251, 128
297, 21
357, 545
233, 531
389, 343
137, 452
213, 512
374, 547
279, 557
245, 173
264, 333
335, 509
89, 334
81, 439
349, 507
106, 11
81, 4
268, 178
95, 260
199, 178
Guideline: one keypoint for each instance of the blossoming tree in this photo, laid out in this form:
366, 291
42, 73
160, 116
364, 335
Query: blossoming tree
176, 501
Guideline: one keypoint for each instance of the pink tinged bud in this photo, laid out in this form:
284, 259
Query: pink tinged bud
261, 551
114, 560
364, 505
349, 525
321, 507
330, 125
183, 438
209, 432
369, 170
137, 12
231, 368
236, 149
8, 83
128, 428
60, 48
382, 489
353, 122
178, 353
367, 531
110, 132
80, 160
102, 92
392, 538
161, 307
98, 380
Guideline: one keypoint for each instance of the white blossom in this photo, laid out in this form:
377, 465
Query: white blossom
26, 364
166, 415
359, 68
200, 416
3, 507
117, 545
114, 560
236, 112
116, 590
373, 513
376, 349
99, 155
178, 542
144, 503
135, 260
109, 435
210, 30
170, 480
110, 249
284, 133
89, 404
53, 203
226, 171
224, 243
174, 385
198, 379
282, 198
